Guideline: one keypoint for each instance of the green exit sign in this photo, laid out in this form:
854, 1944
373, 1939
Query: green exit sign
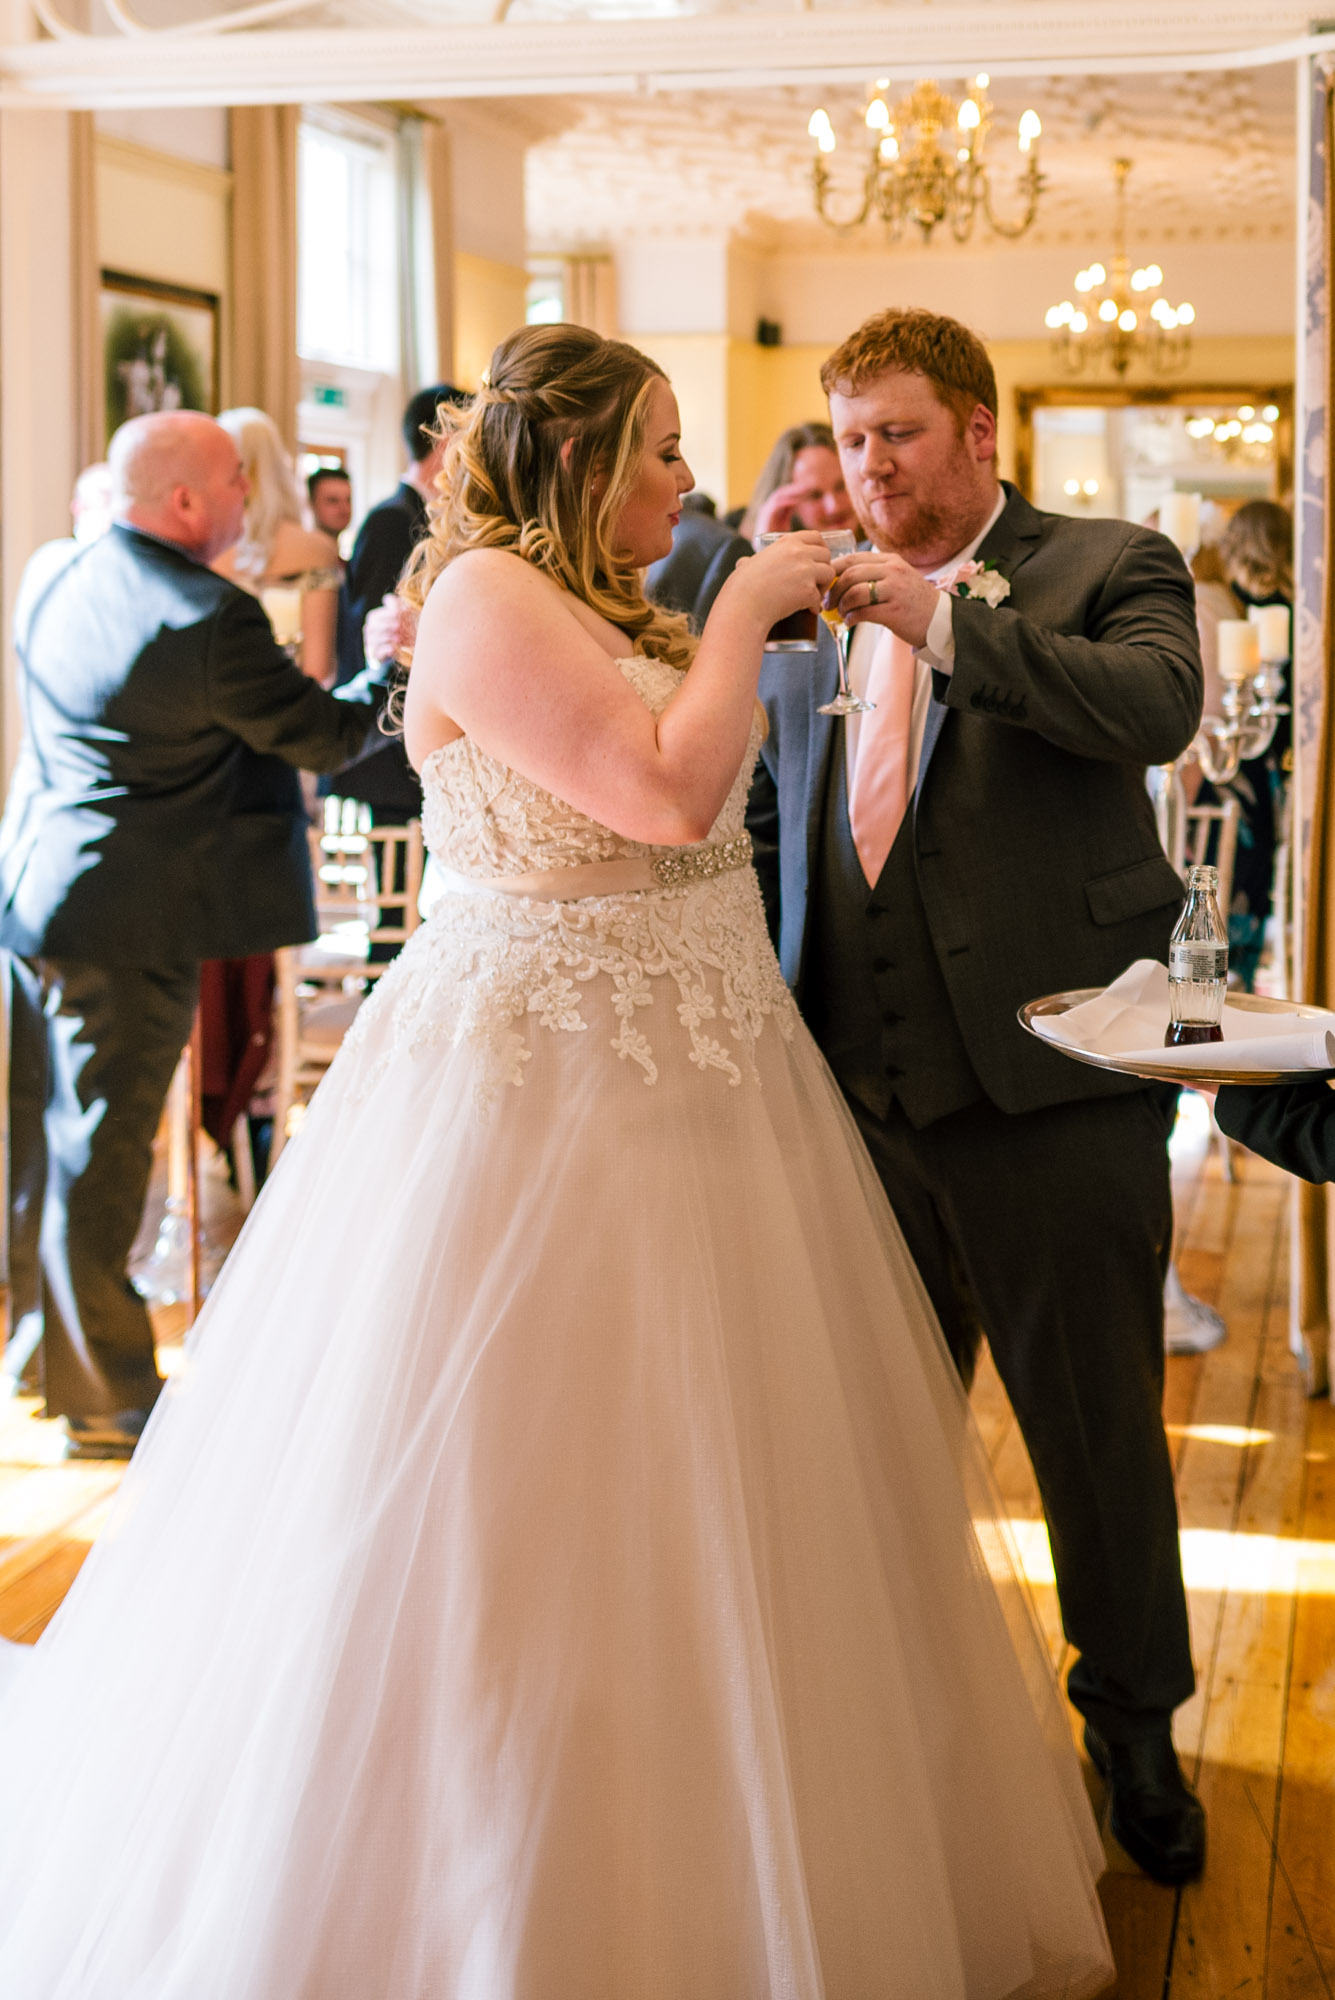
325, 392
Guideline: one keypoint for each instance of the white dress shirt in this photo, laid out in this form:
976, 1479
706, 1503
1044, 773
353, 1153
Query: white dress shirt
937, 655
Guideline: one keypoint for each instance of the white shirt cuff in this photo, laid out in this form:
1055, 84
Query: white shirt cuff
939, 645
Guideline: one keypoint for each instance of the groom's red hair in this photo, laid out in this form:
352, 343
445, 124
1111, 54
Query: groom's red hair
913, 342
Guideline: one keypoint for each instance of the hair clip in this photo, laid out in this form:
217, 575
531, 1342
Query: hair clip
485, 378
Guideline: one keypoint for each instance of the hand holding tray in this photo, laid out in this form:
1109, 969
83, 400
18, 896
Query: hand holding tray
1121, 1027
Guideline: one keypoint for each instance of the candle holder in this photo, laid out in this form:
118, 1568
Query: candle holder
1246, 729
1253, 655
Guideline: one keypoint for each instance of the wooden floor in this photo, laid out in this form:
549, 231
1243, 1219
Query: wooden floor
1256, 1483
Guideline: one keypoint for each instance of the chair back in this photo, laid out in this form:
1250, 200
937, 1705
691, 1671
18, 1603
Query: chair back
1201, 822
368, 879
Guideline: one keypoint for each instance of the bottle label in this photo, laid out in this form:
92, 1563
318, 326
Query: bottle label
1197, 962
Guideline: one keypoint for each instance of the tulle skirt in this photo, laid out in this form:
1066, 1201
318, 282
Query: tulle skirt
560, 1572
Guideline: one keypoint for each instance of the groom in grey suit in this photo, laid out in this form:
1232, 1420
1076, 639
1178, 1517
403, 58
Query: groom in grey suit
985, 839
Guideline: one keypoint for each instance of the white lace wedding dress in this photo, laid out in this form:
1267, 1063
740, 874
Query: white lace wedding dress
552, 1576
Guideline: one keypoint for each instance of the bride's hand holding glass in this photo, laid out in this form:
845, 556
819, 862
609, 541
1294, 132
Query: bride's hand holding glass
790, 574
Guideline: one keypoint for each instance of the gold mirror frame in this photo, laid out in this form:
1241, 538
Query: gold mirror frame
1123, 396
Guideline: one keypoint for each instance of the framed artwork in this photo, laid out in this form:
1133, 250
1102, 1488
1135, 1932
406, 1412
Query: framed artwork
159, 347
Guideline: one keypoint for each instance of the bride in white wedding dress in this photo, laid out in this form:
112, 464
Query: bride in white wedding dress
561, 1570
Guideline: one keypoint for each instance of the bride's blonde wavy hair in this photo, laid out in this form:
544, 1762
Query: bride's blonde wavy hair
505, 483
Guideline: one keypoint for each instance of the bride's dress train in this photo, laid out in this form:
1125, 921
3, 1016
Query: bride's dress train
551, 1577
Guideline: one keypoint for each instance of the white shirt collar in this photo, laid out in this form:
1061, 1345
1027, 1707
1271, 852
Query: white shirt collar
968, 553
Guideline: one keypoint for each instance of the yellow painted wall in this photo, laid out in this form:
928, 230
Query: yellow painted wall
489, 302
697, 366
167, 218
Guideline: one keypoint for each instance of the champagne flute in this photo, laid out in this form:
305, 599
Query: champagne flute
841, 542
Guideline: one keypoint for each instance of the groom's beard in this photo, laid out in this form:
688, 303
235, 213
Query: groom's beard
923, 533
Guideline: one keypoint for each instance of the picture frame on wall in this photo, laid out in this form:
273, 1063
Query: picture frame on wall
159, 347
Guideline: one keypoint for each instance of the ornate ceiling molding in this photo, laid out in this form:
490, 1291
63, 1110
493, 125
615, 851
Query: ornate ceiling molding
708, 51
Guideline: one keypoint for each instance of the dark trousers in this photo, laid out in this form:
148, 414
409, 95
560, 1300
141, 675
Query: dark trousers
1050, 1232
92, 1049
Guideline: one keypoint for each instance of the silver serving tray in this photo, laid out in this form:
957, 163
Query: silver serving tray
1250, 1003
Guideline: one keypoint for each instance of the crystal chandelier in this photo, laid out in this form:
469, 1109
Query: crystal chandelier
926, 164
1115, 320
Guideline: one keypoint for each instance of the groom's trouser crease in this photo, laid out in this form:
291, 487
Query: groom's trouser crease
1050, 1232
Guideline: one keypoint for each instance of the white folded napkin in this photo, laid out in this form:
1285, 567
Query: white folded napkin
1129, 1020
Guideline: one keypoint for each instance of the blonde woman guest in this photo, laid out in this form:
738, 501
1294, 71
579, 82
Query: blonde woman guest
565, 1500
292, 569
801, 485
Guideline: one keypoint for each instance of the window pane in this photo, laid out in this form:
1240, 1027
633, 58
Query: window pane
347, 280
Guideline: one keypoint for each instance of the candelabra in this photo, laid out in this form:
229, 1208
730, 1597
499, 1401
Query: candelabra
1250, 700
1253, 653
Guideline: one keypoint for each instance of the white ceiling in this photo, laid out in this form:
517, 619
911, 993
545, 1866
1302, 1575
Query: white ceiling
1214, 155
196, 51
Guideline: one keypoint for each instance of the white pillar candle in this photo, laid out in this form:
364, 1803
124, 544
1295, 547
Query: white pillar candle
1239, 649
1272, 629
1180, 520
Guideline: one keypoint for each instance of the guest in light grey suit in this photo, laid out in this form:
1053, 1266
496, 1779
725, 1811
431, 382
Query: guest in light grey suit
1032, 1191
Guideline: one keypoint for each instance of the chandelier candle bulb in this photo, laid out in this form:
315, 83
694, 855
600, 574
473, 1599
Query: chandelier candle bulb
1271, 623
1180, 520
1239, 649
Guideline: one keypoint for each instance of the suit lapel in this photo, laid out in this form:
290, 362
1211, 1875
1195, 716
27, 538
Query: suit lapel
1008, 544
1013, 536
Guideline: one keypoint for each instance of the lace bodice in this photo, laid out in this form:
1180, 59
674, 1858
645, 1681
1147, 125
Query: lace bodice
485, 962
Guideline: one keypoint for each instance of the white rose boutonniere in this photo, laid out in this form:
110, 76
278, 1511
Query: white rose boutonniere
975, 579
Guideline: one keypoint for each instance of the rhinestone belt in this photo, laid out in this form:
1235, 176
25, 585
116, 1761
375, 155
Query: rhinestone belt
676, 870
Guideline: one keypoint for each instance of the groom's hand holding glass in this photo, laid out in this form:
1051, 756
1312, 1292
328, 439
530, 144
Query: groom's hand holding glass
875, 589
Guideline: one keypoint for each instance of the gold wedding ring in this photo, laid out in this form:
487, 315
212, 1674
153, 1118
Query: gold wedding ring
873, 596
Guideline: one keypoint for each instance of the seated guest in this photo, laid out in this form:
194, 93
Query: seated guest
155, 820
329, 491
801, 485
705, 552
292, 569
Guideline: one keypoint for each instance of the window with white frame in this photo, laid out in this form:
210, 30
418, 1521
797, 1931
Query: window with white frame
347, 293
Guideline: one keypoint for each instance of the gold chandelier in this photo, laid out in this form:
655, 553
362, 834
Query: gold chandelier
1116, 321
926, 164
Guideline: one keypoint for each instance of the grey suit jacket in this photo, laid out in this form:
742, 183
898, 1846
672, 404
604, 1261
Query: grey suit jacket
1035, 847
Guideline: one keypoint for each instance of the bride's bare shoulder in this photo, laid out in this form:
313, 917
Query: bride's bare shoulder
491, 573
493, 598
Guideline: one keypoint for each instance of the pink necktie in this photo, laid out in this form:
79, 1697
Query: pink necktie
881, 787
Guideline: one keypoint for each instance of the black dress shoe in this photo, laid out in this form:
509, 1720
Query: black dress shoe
1152, 1810
113, 1436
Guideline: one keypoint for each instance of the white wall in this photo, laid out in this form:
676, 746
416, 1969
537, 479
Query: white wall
199, 133
669, 284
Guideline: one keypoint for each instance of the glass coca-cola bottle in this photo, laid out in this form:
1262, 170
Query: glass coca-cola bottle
1197, 965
